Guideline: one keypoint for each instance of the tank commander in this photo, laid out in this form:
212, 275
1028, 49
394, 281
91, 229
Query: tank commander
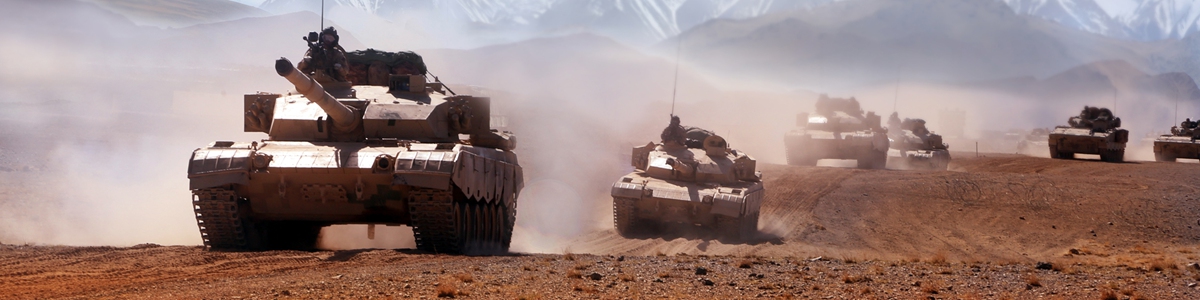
674, 132
325, 55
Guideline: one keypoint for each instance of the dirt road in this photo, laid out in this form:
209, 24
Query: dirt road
978, 231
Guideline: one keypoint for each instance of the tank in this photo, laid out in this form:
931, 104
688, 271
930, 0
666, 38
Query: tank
396, 150
919, 148
1181, 143
837, 130
696, 180
1033, 142
1094, 131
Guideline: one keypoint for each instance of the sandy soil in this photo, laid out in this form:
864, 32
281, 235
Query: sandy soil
993, 227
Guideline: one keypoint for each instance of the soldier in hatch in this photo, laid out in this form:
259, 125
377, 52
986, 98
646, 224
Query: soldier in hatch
324, 55
674, 132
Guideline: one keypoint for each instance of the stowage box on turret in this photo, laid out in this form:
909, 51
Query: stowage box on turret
401, 151
693, 178
919, 148
838, 130
1181, 143
1094, 131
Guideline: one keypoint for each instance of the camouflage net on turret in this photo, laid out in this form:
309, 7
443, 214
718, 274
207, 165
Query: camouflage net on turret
1187, 128
917, 126
827, 106
396, 63
1095, 118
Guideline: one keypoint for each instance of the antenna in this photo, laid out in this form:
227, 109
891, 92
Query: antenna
322, 16
896, 98
675, 87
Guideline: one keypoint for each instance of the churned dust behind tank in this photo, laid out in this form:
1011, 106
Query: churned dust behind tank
1181, 143
838, 129
1034, 142
400, 150
1094, 131
692, 178
919, 148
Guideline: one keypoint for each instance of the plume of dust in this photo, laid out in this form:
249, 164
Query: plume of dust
96, 135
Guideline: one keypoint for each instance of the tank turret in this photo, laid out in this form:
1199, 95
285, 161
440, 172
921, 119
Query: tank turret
399, 150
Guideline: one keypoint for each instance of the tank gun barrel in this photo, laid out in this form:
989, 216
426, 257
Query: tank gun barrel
342, 116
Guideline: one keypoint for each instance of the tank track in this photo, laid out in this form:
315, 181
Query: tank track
741, 228
625, 216
218, 217
443, 224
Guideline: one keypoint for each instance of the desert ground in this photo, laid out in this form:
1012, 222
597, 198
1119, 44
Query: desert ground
992, 227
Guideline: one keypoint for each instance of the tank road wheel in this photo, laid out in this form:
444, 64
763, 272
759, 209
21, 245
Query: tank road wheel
941, 160
625, 217
1164, 157
749, 227
449, 222
1054, 153
510, 218
483, 223
873, 160
1112, 155
738, 228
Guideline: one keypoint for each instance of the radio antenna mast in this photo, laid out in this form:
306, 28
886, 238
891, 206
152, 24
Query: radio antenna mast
896, 97
675, 87
322, 16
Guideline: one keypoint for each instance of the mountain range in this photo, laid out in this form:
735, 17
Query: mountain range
1150, 20
641, 22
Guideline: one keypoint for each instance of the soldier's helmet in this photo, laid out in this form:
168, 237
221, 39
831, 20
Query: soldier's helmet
329, 36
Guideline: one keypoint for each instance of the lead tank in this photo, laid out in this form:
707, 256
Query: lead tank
1094, 131
919, 148
837, 130
398, 151
694, 180
1181, 143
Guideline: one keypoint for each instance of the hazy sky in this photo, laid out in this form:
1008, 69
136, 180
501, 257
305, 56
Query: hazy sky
254, 3
1113, 7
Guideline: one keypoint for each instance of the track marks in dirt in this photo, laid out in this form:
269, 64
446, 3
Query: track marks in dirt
1002, 208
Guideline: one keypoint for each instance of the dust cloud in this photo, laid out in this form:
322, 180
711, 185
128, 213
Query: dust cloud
94, 148
96, 128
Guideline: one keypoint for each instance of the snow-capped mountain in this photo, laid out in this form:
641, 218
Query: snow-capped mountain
1163, 19
1151, 20
641, 22
1079, 14
631, 21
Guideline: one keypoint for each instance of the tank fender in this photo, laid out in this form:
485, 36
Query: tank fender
727, 204
628, 188
487, 174
217, 166
424, 169
734, 203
